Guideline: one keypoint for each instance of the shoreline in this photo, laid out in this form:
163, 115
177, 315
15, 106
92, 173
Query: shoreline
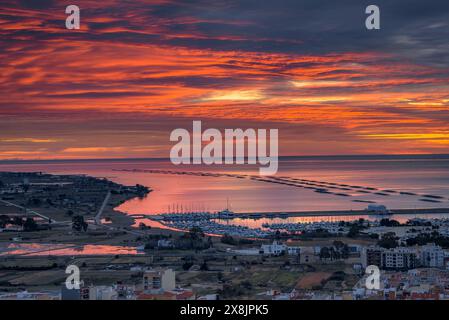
337, 213
124, 221
83, 194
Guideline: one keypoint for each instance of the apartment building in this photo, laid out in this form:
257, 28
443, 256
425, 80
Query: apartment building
390, 259
159, 279
399, 259
432, 256
372, 256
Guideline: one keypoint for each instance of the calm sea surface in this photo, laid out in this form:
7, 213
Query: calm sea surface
421, 175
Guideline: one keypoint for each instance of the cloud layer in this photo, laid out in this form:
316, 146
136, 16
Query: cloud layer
136, 70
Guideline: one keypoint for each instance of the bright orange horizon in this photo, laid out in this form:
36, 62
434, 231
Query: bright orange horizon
117, 87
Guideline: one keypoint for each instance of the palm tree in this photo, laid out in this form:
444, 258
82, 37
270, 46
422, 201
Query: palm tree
324, 253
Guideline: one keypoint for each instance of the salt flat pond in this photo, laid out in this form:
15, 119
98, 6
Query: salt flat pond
39, 249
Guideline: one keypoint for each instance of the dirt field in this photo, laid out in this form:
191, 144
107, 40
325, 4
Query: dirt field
310, 280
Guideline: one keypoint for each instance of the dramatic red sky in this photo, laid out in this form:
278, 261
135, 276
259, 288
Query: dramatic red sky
136, 70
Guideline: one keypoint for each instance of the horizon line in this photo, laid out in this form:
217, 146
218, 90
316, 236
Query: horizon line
280, 157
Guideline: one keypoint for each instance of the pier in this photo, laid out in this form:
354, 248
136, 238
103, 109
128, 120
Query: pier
344, 213
322, 187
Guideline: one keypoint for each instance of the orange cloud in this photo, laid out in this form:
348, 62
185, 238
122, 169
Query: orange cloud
121, 69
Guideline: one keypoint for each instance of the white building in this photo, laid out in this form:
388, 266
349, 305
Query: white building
377, 208
160, 279
102, 293
432, 256
293, 250
399, 258
276, 249
393, 259
213, 296
163, 243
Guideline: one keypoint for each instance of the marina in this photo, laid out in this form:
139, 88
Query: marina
211, 224
247, 215
230, 223
214, 228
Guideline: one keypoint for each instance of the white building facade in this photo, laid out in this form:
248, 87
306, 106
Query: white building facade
432, 256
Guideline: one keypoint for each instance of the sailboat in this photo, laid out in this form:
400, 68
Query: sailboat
226, 213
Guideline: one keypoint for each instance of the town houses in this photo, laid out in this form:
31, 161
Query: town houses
405, 258
415, 284
277, 249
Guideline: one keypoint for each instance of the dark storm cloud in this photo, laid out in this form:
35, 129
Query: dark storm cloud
417, 29
37, 4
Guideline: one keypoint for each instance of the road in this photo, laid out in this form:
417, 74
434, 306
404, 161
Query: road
103, 206
28, 211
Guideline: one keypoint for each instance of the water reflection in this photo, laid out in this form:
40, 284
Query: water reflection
39, 249
258, 223
415, 174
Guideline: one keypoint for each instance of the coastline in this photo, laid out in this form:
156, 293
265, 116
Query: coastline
121, 220
83, 196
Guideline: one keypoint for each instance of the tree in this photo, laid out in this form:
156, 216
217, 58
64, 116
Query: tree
389, 223
187, 265
338, 244
227, 239
342, 249
30, 225
204, 266
246, 284
78, 223
422, 239
4, 220
196, 233
353, 231
18, 221
141, 190
345, 252
324, 253
334, 255
388, 241
209, 242
277, 235
36, 202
